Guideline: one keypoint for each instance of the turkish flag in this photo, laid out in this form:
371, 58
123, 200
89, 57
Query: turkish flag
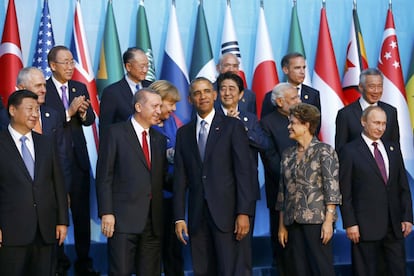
11, 60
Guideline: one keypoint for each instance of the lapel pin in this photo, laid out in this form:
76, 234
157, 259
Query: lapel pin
245, 119
47, 114
306, 97
217, 128
243, 100
73, 89
391, 148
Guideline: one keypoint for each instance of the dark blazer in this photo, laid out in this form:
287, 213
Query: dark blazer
275, 125
26, 204
308, 95
52, 124
348, 124
73, 132
4, 117
366, 200
125, 186
116, 103
222, 180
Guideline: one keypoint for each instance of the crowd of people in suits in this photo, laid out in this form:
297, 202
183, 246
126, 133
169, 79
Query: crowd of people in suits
160, 187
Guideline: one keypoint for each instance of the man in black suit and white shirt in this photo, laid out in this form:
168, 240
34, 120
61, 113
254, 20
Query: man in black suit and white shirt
294, 65
131, 170
213, 163
348, 124
116, 102
33, 205
376, 200
71, 100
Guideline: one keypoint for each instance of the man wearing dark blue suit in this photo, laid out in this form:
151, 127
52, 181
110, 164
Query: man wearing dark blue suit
213, 163
33, 205
116, 102
231, 91
284, 96
71, 100
376, 207
348, 123
294, 65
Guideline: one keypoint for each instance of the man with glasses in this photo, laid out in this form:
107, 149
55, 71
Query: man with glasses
116, 102
71, 99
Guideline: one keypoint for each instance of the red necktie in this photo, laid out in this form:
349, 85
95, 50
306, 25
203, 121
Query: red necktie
380, 161
145, 148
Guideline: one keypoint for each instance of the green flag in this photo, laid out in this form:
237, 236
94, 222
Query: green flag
296, 41
110, 62
144, 40
202, 62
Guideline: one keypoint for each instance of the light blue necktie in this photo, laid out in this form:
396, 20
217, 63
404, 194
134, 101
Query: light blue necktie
202, 138
138, 86
27, 157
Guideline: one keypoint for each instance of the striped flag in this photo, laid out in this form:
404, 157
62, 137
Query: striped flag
389, 63
265, 74
84, 73
45, 42
110, 67
202, 61
11, 60
356, 60
296, 41
144, 40
229, 42
174, 68
326, 80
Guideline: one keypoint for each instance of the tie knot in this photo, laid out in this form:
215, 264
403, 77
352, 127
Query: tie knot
63, 87
375, 144
203, 123
138, 86
23, 139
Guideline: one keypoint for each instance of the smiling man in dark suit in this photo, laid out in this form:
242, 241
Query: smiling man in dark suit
131, 170
116, 102
71, 100
348, 123
213, 163
33, 205
377, 208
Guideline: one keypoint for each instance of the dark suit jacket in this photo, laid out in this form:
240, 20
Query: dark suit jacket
275, 125
366, 200
223, 180
4, 117
73, 132
116, 103
308, 95
125, 186
52, 124
348, 124
27, 204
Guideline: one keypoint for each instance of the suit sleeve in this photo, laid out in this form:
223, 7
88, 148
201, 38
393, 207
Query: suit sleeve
107, 110
341, 132
90, 114
105, 173
271, 157
405, 193
180, 179
345, 185
242, 169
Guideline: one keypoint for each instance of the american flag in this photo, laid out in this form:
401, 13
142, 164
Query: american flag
45, 42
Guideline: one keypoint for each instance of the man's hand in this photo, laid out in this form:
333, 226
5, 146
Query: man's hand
78, 104
181, 231
1, 238
353, 233
406, 228
61, 232
233, 113
108, 225
242, 226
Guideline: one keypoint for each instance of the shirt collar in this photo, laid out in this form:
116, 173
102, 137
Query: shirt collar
208, 118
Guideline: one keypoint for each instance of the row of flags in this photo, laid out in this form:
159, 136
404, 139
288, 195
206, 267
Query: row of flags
334, 94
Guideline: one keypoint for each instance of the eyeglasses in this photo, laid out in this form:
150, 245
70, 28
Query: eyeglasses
66, 63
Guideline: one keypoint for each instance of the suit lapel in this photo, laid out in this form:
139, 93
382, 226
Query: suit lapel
132, 138
366, 151
213, 134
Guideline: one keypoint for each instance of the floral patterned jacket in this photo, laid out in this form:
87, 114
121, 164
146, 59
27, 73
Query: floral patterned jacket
305, 188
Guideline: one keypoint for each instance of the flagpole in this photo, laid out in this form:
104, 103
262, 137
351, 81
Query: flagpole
261, 4
355, 4
294, 3
323, 4
390, 5
228, 3
173, 2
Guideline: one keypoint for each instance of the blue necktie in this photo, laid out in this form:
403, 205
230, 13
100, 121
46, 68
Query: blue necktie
380, 161
27, 157
138, 86
202, 138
